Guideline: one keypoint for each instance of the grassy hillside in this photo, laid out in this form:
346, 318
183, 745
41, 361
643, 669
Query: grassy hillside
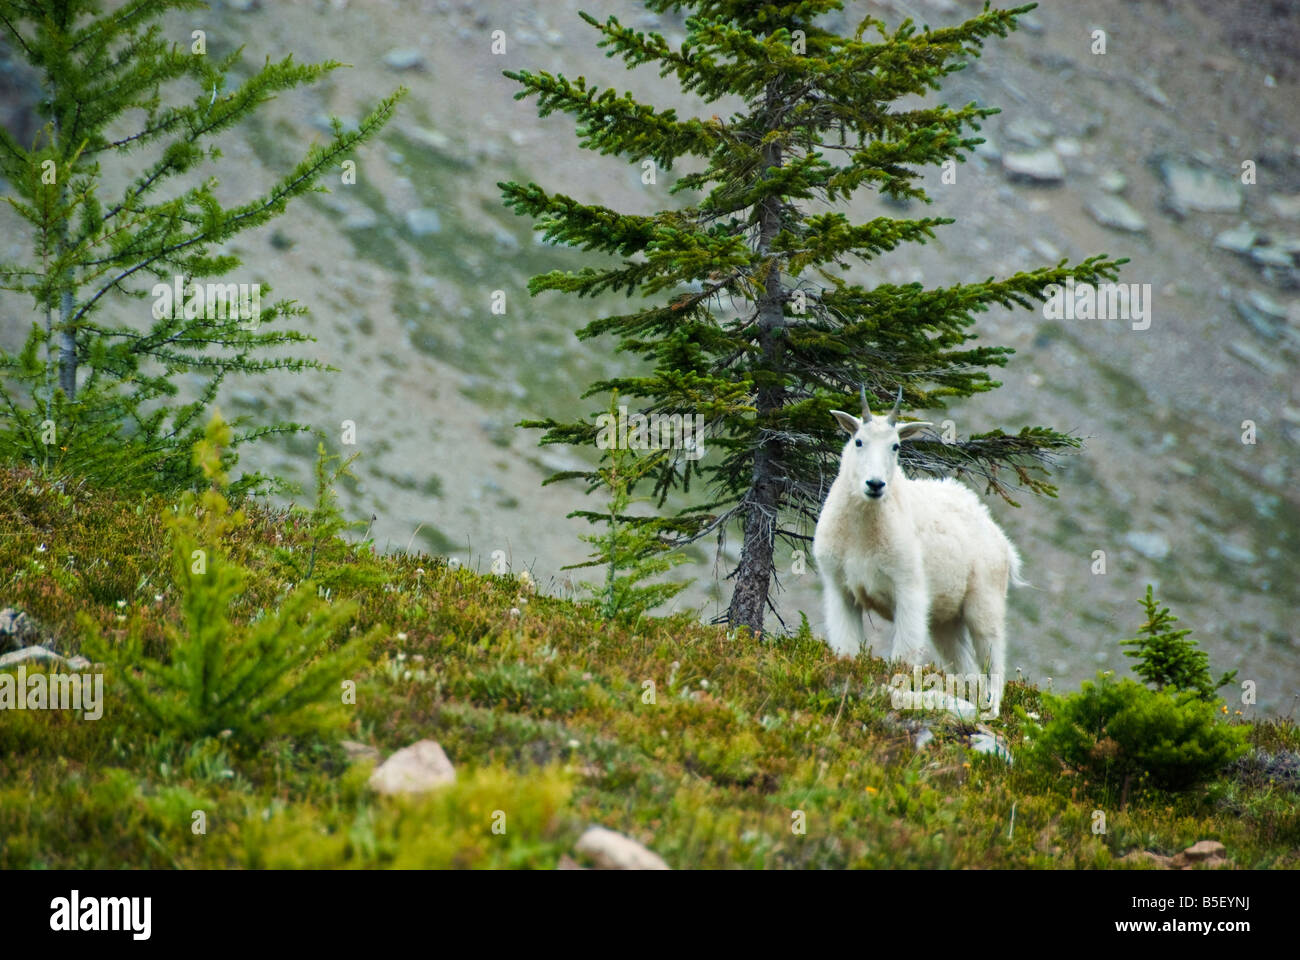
542, 708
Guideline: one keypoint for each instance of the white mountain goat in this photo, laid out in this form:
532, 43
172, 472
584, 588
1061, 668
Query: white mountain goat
925, 553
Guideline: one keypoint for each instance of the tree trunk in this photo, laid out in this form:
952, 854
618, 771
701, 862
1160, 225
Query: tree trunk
67, 346
763, 499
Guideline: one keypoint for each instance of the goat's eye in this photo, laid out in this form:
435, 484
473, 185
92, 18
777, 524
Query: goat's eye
858, 442
895, 446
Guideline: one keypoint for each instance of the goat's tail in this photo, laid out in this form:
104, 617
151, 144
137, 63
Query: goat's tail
1014, 556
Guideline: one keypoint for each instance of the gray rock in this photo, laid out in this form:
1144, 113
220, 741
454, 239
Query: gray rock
1152, 545
1031, 24
1037, 166
1067, 147
923, 737
613, 851
419, 768
17, 630
1152, 92
1271, 256
423, 221
1261, 321
1027, 132
404, 58
362, 218
1111, 211
990, 743
243, 6
1256, 358
359, 751
428, 137
1240, 239
1194, 189
1204, 850
30, 655
1237, 554
1286, 207
1112, 181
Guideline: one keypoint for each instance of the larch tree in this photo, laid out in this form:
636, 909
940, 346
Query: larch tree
763, 229
114, 273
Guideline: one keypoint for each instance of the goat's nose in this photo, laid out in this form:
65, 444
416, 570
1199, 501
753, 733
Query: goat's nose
875, 486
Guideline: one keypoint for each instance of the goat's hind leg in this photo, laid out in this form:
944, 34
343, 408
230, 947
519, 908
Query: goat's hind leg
986, 617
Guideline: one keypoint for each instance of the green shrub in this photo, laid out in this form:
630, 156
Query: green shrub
1122, 733
272, 676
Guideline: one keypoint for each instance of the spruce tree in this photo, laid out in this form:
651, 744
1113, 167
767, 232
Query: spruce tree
1167, 658
92, 391
761, 228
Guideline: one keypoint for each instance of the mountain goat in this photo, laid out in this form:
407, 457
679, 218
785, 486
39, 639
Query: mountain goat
924, 553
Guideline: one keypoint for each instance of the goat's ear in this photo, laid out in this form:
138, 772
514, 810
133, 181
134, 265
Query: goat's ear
905, 430
848, 423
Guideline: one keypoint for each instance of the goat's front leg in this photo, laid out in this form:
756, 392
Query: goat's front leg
843, 619
911, 642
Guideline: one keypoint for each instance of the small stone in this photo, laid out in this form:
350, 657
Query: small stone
421, 767
1142, 857
1271, 257
1193, 189
990, 743
1204, 849
1027, 132
1112, 181
29, 655
404, 58
613, 851
1261, 322
362, 219
1067, 147
1030, 23
1256, 358
1235, 554
1152, 92
1037, 166
17, 630
1286, 207
359, 751
1240, 239
423, 221
923, 737
1111, 211
1152, 545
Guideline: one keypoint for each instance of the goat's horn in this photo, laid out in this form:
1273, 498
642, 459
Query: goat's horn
898, 403
866, 409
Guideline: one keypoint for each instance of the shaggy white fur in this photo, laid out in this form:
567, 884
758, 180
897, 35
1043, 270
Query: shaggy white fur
924, 553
